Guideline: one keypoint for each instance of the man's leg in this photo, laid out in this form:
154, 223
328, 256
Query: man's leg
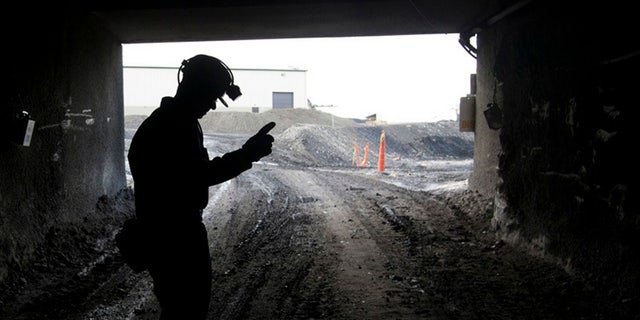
182, 276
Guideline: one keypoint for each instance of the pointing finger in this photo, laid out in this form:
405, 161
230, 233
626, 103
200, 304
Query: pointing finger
267, 127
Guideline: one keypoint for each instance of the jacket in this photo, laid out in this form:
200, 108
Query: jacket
171, 168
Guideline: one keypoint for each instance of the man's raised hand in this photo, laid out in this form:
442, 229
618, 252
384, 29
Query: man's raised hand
260, 144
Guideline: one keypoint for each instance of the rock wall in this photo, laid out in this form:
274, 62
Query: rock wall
65, 70
566, 87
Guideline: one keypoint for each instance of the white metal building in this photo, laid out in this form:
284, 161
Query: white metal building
262, 89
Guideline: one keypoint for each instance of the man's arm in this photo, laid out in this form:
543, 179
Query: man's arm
230, 165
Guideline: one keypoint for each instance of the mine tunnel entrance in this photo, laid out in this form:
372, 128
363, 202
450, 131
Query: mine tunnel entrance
407, 86
296, 196
315, 230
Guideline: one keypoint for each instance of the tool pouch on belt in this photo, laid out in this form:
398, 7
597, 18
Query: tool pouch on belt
132, 241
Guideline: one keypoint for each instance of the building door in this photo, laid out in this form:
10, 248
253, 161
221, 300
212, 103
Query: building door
283, 100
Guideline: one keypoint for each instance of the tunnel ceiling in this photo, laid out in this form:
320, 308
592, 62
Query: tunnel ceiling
170, 21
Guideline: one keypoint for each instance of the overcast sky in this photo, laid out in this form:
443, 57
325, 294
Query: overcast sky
417, 78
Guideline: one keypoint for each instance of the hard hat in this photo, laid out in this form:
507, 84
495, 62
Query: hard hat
210, 70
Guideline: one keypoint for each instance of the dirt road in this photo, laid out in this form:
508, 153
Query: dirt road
300, 243
321, 243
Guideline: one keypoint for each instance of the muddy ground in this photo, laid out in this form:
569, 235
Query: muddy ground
291, 240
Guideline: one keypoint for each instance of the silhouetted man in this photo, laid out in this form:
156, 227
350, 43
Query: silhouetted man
172, 173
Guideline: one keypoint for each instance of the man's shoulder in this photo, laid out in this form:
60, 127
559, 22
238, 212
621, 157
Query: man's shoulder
160, 114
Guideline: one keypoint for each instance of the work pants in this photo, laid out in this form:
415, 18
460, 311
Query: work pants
181, 271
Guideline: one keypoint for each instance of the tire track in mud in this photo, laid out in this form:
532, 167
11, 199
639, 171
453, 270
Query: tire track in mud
288, 244
449, 264
263, 246
317, 243
367, 200
361, 281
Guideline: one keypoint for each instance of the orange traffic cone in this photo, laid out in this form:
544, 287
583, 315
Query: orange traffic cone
381, 155
355, 159
366, 153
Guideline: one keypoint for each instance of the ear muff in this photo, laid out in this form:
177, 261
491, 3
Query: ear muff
232, 90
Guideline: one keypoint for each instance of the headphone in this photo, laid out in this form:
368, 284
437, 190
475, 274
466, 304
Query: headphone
232, 91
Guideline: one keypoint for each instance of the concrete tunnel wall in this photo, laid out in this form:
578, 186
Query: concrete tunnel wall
66, 72
561, 168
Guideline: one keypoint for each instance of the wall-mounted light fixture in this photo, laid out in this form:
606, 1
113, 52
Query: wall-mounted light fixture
493, 115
